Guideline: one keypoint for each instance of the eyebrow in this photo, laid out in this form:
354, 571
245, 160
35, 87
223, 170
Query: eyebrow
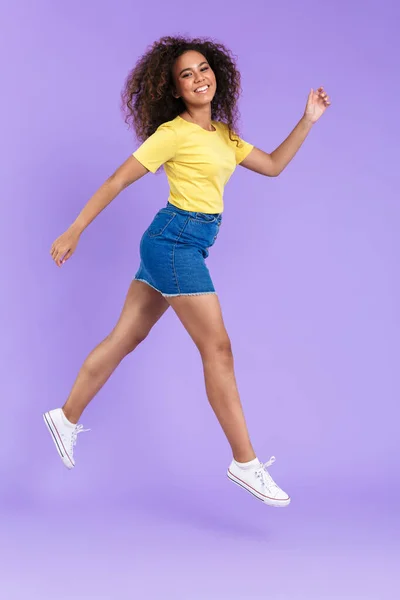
189, 69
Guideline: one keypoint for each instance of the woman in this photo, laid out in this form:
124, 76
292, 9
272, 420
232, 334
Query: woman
181, 98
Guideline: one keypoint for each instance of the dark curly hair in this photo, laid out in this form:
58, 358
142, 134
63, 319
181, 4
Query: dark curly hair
147, 95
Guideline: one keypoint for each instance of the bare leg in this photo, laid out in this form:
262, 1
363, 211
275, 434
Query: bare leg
201, 316
143, 307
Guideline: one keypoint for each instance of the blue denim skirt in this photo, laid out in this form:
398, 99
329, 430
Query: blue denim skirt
173, 250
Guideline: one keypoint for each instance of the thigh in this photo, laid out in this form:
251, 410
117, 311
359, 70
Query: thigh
142, 308
202, 318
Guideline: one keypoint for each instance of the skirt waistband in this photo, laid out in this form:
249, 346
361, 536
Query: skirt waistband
190, 213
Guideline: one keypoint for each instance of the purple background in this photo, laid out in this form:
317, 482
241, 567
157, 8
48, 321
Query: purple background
306, 267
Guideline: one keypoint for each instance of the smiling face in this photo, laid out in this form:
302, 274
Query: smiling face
194, 79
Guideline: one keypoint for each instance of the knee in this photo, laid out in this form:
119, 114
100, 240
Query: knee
218, 348
127, 344
132, 345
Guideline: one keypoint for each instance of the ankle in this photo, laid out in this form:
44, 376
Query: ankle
244, 457
70, 416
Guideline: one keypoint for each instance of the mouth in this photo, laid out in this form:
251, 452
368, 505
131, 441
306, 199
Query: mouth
202, 90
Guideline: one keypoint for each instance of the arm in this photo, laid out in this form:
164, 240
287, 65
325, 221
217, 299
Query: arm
129, 172
65, 245
273, 164
155, 151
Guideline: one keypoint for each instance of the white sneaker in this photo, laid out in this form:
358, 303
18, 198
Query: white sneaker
63, 434
259, 482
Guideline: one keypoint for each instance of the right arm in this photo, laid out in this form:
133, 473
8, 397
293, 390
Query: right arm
129, 172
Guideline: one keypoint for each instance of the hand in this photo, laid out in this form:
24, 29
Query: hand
64, 246
317, 103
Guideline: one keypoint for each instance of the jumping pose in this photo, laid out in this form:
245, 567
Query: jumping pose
181, 98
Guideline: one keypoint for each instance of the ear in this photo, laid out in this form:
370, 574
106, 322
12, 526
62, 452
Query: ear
175, 94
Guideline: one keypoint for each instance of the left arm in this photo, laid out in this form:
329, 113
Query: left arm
273, 164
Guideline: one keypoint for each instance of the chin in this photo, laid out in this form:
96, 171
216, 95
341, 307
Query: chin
201, 101
204, 101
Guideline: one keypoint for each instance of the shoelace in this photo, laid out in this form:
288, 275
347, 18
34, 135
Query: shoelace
78, 429
265, 476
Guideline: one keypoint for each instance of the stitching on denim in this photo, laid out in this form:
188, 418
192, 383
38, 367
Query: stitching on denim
203, 222
191, 294
165, 226
173, 255
174, 295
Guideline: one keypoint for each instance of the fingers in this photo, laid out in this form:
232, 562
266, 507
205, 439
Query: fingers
66, 257
55, 254
59, 255
64, 246
323, 96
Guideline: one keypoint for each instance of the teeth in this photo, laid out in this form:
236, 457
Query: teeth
202, 89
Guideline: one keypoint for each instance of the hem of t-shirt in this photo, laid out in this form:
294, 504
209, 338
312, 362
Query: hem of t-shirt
142, 162
246, 155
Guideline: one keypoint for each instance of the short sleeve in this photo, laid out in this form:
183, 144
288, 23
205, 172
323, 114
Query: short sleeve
159, 148
242, 150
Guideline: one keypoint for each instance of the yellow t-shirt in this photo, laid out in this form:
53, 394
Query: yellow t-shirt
198, 163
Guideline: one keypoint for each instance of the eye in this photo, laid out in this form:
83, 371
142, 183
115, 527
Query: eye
204, 69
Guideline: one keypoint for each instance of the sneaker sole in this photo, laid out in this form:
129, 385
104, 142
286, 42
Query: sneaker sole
253, 492
55, 436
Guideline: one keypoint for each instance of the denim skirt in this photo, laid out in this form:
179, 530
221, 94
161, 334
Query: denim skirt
173, 250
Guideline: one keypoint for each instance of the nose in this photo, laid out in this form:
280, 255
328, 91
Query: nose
199, 78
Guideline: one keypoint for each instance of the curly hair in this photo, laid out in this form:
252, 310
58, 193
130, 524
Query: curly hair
147, 95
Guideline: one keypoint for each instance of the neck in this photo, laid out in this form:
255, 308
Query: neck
201, 116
